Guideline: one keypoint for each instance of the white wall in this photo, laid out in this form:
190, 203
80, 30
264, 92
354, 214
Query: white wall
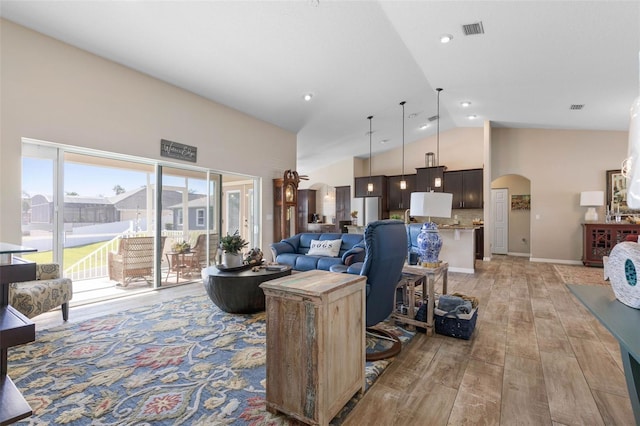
54, 92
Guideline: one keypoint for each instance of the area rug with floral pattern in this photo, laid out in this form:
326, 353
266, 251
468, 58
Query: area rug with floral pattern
575, 274
178, 362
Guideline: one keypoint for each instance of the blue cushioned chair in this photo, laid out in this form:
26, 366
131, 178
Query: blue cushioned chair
385, 254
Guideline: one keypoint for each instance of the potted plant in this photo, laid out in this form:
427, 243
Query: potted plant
231, 246
181, 247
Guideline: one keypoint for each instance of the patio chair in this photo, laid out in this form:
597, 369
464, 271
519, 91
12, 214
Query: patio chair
199, 252
48, 291
134, 259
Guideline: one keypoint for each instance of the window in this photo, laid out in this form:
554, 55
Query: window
200, 217
179, 214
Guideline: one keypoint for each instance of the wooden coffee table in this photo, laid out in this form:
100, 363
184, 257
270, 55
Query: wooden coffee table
239, 292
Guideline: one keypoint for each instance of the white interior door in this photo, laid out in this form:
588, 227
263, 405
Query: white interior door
500, 211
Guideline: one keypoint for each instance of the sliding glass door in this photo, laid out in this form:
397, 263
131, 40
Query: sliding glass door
79, 206
190, 222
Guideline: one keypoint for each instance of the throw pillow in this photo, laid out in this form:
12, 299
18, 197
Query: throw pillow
325, 248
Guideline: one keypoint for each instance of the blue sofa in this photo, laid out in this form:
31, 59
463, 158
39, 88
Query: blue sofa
293, 251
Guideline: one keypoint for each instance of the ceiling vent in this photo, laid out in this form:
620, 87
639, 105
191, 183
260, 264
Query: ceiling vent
473, 29
433, 118
576, 107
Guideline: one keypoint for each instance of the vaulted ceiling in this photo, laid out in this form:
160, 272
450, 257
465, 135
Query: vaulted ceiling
532, 62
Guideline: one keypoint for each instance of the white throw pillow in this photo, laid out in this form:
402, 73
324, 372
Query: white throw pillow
325, 248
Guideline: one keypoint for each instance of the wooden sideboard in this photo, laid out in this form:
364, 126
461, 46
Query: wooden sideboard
315, 343
15, 329
599, 238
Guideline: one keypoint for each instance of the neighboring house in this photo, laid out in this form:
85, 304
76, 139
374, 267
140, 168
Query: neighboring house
196, 213
128, 206
77, 209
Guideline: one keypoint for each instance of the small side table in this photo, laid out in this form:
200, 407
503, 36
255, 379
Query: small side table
429, 278
315, 343
178, 263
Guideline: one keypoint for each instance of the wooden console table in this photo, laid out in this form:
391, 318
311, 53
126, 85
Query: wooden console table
15, 329
315, 343
599, 238
622, 321
430, 276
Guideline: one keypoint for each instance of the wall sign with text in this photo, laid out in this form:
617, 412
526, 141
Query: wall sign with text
178, 151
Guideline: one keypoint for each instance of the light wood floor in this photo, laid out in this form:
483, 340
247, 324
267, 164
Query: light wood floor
537, 357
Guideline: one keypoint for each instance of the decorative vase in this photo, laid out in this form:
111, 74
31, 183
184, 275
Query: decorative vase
429, 244
231, 260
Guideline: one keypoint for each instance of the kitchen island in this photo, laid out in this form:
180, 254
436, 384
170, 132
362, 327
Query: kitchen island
458, 247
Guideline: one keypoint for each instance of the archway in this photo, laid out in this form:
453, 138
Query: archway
516, 214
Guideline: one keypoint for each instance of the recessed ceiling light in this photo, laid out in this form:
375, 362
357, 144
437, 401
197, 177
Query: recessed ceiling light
465, 104
424, 126
472, 117
446, 38
307, 96
383, 141
412, 115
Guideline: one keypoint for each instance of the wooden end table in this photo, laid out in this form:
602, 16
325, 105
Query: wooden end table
414, 276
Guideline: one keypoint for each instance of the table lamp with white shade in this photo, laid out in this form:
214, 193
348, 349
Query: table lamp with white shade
430, 204
591, 199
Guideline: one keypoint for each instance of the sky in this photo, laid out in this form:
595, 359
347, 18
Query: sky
89, 180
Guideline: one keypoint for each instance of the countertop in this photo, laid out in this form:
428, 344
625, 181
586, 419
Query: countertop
459, 226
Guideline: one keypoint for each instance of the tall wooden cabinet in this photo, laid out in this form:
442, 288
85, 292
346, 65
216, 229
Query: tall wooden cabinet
306, 208
343, 203
600, 238
285, 202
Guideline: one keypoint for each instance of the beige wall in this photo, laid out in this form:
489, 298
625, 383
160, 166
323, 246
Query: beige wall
54, 92
558, 163
460, 149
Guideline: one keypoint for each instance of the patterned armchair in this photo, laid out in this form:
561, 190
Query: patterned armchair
49, 291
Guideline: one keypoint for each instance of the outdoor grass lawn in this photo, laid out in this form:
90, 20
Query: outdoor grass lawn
70, 257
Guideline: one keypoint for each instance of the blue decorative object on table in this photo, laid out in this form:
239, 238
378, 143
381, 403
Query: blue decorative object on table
429, 243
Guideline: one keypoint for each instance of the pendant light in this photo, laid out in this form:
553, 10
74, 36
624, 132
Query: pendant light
438, 181
370, 184
403, 182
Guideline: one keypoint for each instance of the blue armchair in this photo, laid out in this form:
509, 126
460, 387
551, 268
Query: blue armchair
385, 254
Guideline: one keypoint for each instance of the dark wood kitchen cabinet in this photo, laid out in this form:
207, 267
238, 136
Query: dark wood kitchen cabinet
466, 187
379, 186
426, 176
399, 199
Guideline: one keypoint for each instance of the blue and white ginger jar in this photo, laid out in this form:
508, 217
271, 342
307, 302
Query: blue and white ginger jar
429, 243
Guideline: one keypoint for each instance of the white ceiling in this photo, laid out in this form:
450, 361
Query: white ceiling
362, 58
